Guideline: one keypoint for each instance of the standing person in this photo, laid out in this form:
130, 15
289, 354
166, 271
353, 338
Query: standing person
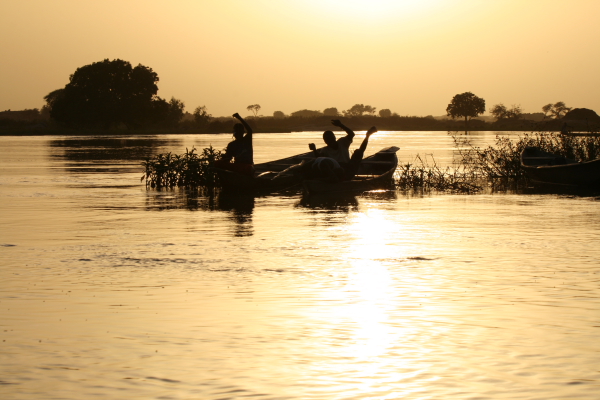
336, 149
240, 150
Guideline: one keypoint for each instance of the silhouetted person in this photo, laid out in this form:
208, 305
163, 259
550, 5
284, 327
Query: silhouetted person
336, 149
352, 167
328, 169
240, 150
333, 162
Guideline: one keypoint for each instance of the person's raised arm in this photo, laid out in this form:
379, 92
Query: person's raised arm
365, 142
246, 126
338, 123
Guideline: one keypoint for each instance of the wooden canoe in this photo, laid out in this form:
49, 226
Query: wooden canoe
263, 176
375, 172
547, 168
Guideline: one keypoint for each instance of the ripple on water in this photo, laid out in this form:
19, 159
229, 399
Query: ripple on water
109, 290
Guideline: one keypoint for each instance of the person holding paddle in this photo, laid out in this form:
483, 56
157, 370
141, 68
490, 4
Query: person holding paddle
240, 150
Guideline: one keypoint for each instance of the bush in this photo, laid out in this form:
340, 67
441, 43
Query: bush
185, 170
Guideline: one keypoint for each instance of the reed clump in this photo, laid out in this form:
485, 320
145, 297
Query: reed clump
427, 175
503, 160
183, 170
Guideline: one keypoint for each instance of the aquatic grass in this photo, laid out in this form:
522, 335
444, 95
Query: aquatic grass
424, 174
181, 170
503, 159
498, 165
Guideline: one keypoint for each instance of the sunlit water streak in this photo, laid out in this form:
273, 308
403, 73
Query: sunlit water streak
109, 290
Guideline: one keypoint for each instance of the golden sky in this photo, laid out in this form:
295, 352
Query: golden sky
411, 56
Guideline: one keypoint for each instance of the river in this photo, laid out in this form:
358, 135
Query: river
109, 290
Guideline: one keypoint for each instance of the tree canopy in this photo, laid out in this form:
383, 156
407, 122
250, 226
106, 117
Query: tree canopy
108, 93
255, 108
306, 113
358, 110
500, 111
465, 105
385, 113
201, 116
556, 110
331, 112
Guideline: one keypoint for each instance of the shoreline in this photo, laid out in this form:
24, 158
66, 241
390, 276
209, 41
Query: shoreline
61, 132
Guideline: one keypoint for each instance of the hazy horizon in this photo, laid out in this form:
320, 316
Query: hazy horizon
408, 56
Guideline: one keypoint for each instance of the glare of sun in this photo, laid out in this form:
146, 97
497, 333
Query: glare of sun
373, 232
377, 8
368, 294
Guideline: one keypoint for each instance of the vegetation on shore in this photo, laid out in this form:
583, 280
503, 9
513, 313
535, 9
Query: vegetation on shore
41, 126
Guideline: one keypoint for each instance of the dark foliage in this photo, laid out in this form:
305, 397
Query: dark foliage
503, 160
183, 170
108, 93
465, 105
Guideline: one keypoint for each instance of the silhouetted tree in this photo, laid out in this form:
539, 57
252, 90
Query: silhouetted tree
254, 108
359, 109
556, 110
106, 93
499, 111
331, 112
201, 116
176, 108
465, 105
385, 113
166, 114
45, 112
278, 114
306, 113
515, 112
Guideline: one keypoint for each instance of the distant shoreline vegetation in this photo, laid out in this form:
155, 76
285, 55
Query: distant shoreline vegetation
113, 97
34, 122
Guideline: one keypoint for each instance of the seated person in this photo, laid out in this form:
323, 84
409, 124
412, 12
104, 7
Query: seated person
240, 150
352, 167
336, 149
328, 169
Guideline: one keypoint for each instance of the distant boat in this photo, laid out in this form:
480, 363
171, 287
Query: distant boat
374, 172
570, 133
544, 167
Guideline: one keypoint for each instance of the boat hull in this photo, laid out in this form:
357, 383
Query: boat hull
382, 181
375, 171
234, 182
546, 168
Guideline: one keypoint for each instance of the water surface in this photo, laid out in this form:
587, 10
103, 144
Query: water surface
109, 290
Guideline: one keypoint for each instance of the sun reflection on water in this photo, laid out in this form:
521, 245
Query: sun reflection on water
368, 295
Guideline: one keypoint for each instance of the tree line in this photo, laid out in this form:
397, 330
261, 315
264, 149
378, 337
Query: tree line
115, 95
